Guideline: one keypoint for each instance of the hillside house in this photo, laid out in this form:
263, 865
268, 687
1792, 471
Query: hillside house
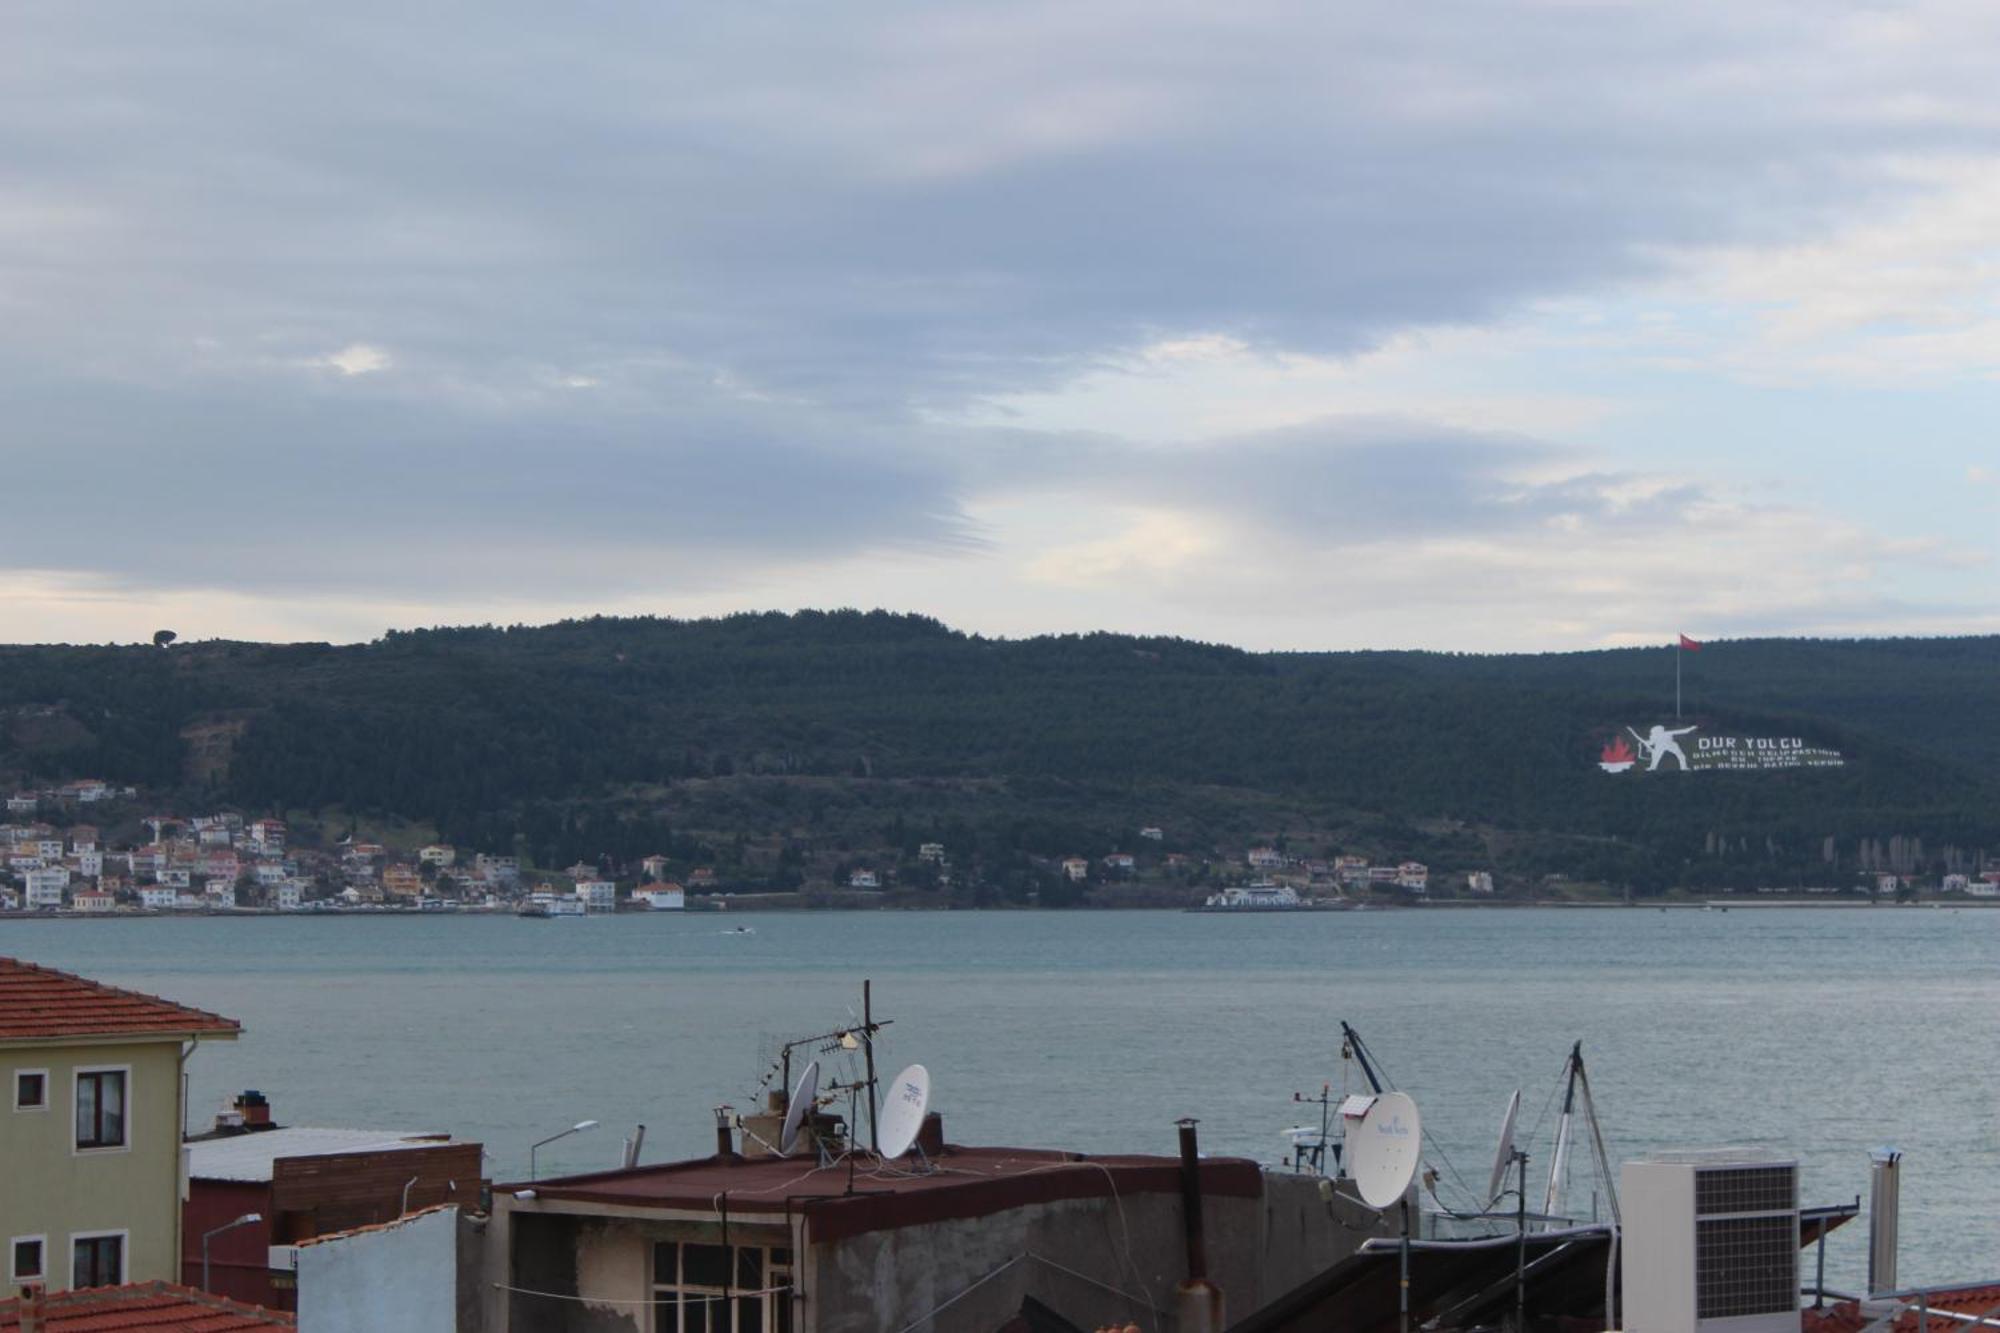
1265, 858
931, 853
1120, 863
598, 895
1153, 833
437, 854
864, 879
1075, 869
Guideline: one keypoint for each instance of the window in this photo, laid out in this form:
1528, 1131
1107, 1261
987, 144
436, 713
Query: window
97, 1261
100, 1108
31, 1090
24, 1258
713, 1289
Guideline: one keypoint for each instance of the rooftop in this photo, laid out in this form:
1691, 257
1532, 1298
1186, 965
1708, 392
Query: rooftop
150, 1307
42, 1004
247, 1157
1946, 1308
960, 1182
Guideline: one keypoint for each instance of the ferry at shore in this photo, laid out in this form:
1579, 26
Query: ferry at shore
1262, 896
546, 905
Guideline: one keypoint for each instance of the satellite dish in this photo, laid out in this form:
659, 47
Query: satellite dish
903, 1111
1503, 1156
800, 1108
1383, 1149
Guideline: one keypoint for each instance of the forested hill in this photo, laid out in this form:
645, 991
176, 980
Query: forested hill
486, 733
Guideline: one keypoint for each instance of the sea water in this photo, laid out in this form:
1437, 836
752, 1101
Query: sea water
1812, 1033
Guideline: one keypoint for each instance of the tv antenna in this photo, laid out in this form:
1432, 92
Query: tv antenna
1310, 1145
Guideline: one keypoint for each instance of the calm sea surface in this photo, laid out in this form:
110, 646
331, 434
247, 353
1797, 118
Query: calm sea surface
1819, 1033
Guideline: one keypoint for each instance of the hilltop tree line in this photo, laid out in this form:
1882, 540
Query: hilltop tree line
573, 739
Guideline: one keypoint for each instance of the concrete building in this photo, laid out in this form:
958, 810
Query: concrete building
661, 897
90, 1141
961, 1241
598, 895
305, 1183
45, 887
863, 879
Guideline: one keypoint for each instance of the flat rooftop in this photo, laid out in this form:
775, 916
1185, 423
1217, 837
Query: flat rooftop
960, 1182
247, 1158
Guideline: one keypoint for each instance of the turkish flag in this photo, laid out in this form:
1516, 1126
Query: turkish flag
1689, 645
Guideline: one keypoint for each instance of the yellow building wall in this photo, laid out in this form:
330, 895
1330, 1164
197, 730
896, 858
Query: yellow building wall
49, 1188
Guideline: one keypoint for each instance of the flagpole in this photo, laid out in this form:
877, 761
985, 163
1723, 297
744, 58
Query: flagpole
1677, 680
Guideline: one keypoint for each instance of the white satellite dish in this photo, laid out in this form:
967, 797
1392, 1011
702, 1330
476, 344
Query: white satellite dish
903, 1111
800, 1108
1503, 1156
1383, 1150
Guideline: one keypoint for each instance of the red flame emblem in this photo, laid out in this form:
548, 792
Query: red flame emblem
1617, 757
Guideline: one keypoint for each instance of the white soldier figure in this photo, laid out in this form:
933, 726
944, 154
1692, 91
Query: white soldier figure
1658, 743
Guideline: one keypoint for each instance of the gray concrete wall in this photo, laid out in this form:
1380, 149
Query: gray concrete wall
398, 1278
1069, 1255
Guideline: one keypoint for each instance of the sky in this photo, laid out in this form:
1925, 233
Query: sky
1471, 325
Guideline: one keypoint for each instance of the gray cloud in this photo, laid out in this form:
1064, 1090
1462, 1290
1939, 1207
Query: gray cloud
767, 234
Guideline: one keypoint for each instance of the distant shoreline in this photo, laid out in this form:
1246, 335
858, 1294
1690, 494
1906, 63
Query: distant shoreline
1757, 903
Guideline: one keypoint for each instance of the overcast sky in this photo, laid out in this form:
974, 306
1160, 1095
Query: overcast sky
1460, 325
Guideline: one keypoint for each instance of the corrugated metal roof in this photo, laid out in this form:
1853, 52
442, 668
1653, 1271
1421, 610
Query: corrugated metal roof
40, 1003
247, 1158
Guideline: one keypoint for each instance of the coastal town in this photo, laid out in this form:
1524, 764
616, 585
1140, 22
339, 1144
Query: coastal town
59, 859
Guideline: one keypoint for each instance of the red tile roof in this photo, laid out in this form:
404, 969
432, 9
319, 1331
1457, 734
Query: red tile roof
154, 1307
1981, 1301
40, 1003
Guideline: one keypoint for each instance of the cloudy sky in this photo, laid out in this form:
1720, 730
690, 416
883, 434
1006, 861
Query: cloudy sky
1459, 325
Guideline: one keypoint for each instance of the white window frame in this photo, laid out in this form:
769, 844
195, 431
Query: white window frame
75, 1091
124, 1235
768, 1316
15, 1091
16, 1278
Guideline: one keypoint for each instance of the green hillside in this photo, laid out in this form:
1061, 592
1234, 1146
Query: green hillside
819, 734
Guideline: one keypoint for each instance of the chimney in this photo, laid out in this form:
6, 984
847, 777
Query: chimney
1884, 1190
725, 1139
30, 1309
1198, 1305
255, 1110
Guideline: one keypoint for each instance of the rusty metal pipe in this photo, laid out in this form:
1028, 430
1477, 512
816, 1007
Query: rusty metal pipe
1197, 1248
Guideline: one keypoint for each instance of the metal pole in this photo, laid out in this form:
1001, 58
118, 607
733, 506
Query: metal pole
1403, 1289
204, 1261
1677, 681
1819, 1283
1521, 1244
868, 1039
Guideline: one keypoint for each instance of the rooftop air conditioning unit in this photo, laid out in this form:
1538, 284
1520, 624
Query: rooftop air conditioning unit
1711, 1243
